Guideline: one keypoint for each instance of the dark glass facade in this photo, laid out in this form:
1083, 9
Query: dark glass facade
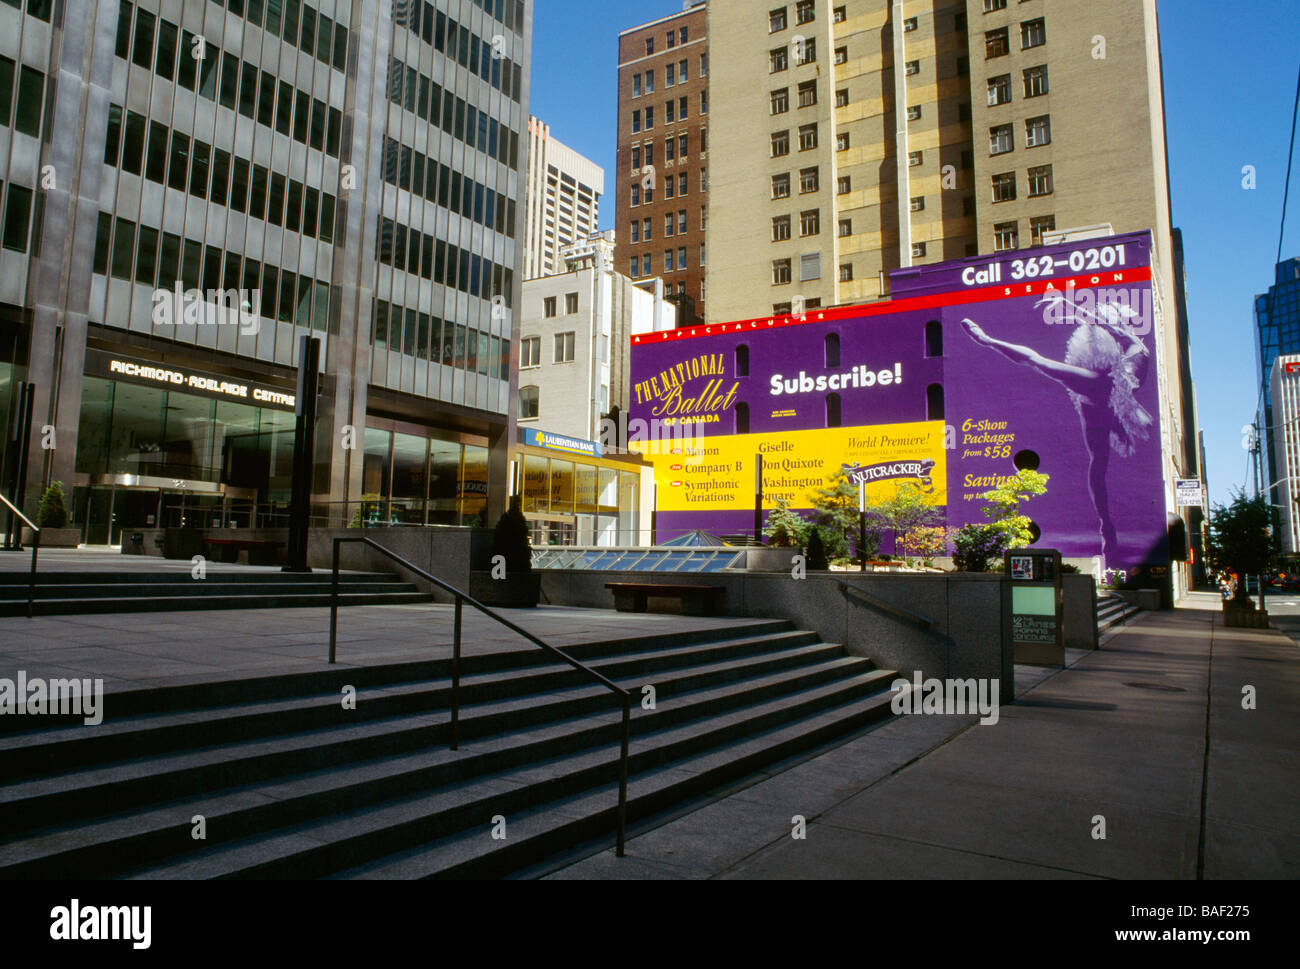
1277, 322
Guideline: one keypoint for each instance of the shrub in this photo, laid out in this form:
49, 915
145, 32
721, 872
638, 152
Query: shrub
817, 561
512, 538
785, 528
52, 511
974, 545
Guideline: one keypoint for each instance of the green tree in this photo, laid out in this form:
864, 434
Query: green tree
837, 505
1003, 508
53, 510
907, 511
1240, 539
926, 542
785, 528
974, 545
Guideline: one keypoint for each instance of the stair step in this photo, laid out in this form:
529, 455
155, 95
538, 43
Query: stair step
263, 600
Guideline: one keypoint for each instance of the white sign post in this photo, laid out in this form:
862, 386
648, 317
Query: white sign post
1188, 493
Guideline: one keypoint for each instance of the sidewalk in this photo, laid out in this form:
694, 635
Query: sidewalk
1120, 735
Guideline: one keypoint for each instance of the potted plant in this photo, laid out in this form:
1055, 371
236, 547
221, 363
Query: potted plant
52, 519
510, 581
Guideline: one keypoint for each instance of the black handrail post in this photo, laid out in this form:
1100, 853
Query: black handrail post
455, 679
334, 600
31, 582
622, 777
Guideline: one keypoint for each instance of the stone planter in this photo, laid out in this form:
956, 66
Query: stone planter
54, 537
1248, 616
520, 590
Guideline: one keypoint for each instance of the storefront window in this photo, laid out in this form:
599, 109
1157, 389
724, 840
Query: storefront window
375, 467
410, 461
474, 510
562, 487
536, 484
444, 483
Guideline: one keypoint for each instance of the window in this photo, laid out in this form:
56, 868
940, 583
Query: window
636, 237
1000, 90
912, 67
807, 94
914, 158
839, 15
776, 20
704, 102
670, 186
846, 227
1005, 236
570, 303
1035, 81
781, 101
681, 258
810, 222
841, 55
564, 346
780, 272
1038, 131
681, 221
668, 260
810, 267
1039, 225
781, 228
529, 404
636, 156
636, 195
142, 49
18, 218
1004, 187
914, 112
683, 143
846, 272
804, 11
781, 186
1001, 139
704, 65
1033, 33
777, 60
918, 203
670, 77
992, 5
842, 98
646, 230
649, 82
548, 307
842, 141
831, 345
997, 43
809, 52
909, 25
636, 121
669, 116
31, 90
844, 185
1040, 181
834, 417
649, 46
807, 180
918, 250
934, 409
669, 223
934, 339
636, 85
807, 137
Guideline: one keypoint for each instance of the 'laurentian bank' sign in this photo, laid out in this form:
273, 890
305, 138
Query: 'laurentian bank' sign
558, 442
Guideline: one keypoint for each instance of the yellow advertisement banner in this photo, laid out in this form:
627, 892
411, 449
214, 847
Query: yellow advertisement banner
717, 473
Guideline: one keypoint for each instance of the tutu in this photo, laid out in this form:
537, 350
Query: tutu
1095, 348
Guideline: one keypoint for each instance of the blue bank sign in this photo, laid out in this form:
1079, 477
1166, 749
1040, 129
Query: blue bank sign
558, 442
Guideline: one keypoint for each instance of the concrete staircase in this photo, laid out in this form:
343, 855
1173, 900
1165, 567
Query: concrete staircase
1113, 610
71, 593
291, 785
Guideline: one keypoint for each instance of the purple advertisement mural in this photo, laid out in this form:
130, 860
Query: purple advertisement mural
1039, 358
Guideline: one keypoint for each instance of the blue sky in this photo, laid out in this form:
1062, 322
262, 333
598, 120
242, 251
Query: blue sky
1229, 91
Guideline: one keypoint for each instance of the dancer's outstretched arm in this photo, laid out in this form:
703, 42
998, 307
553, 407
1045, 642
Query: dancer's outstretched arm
1075, 378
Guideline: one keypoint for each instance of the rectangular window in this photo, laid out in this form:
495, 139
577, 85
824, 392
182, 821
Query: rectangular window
912, 67
846, 227
777, 60
841, 55
842, 141
992, 5
220, 175
842, 98
1001, 139
810, 266
248, 91
564, 347
146, 257
124, 12
918, 250
1033, 33
914, 112
113, 141
846, 272
810, 222
133, 143
1038, 131
199, 169
293, 207
1037, 226
997, 43
530, 352
275, 210
208, 72
301, 116
18, 215
805, 11
807, 137
239, 184
1004, 187
780, 272
807, 94
1040, 181
918, 203
266, 100
909, 25
1036, 81
776, 20
186, 76
808, 181
844, 185
669, 224
123, 248
142, 49
165, 64
999, 90
780, 101
169, 262
179, 162
681, 258
1005, 236
257, 194
229, 80
570, 303
915, 158
31, 102
781, 228
809, 53
103, 235
781, 186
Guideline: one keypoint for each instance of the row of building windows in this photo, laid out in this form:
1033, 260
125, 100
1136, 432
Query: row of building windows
1039, 180
464, 122
1034, 80
997, 42
241, 87
530, 349
126, 251
23, 215
805, 52
40, 9
1006, 235
674, 224
431, 338
805, 11
175, 160
676, 148
674, 186
435, 182
674, 261
24, 112
780, 98
674, 35
298, 24
422, 255
1038, 132
457, 42
674, 73
674, 111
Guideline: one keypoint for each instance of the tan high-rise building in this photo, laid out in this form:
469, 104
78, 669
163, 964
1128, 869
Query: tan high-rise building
860, 136
662, 174
563, 209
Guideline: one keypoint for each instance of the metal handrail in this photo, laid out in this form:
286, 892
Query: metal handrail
36, 546
884, 604
461, 598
